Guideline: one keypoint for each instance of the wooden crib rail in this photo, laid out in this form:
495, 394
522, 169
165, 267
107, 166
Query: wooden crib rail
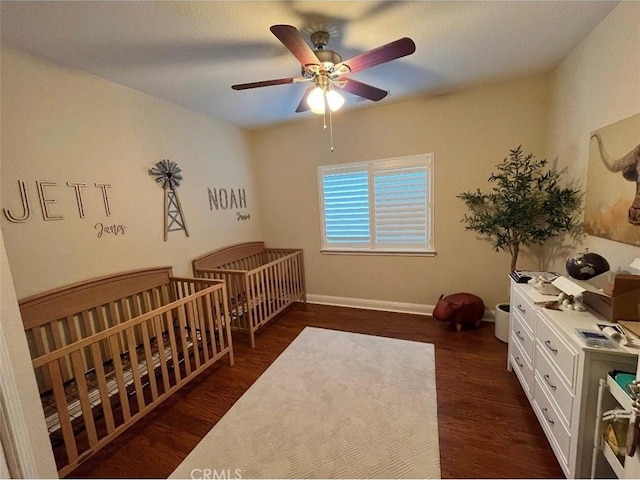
63, 302
225, 255
274, 286
117, 378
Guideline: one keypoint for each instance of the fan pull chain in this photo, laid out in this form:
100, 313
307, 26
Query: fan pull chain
324, 119
331, 128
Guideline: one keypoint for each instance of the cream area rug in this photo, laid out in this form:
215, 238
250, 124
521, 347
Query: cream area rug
332, 405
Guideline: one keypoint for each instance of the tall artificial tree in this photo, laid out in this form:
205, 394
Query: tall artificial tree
527, 205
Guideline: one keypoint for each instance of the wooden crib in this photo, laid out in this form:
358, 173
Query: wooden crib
261, 282
109, 350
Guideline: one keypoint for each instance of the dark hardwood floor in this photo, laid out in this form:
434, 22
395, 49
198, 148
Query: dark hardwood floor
486, 426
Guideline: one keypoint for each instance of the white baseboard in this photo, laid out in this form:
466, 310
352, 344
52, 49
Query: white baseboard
366, 304
383, 305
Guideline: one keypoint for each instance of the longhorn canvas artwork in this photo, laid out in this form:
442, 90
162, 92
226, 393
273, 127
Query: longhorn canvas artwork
613, 182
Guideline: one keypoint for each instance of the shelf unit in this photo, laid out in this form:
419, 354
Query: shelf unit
613, 460
624, 401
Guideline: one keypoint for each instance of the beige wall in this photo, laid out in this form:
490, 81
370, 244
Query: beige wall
469, 132
596, 85
61, 125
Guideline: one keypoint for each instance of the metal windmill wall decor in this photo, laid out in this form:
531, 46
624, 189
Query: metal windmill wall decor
169, 175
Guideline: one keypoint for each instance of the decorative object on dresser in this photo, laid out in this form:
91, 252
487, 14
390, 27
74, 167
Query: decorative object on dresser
109, 350
615, 296
586, 265
527, 205
261, 281
559, 374
459, 309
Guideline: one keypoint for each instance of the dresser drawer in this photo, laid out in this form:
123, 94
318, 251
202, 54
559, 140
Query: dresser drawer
562, 356
557, 390
522, 306
558, 435
522, 337
522, 366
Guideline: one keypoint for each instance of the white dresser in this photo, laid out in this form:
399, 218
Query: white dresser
560, 374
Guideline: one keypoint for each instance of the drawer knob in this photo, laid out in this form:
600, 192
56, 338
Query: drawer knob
548, 380
520, 336
519, 362
519, 307
548, 345
546, 416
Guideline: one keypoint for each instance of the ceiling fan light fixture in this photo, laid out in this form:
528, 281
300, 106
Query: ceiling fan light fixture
335, 100
316, 100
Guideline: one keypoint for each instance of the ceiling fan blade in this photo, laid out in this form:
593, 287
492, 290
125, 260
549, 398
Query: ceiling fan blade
266, 83
385, 53
364, 90
292, 39
303, 106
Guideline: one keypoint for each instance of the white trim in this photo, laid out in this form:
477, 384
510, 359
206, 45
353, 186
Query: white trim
23, 432
16, 445
365, 304
4, 468
346, 251
383, 305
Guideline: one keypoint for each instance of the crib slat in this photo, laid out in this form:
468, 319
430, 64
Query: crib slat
218, 320
58, 343
183, 338
83, 394
148, 355
250, 311
208, 314
175, 357
266, 302
41, 349
278, 290
223, 318
116, 352
276, 297
141, 305
150, 303
135, 370
194, 334
162, 353
201, 322
264, 279
63, 414
260, 298
102, 387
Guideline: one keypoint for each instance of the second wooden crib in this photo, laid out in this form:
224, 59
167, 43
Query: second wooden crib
261, 282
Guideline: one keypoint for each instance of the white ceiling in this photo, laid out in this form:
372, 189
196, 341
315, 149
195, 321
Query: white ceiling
190, 53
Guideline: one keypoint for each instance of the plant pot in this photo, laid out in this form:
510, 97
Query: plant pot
502, 322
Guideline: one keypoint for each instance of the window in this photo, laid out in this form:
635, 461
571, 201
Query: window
382, 206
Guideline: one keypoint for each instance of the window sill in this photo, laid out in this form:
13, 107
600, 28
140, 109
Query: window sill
396, 253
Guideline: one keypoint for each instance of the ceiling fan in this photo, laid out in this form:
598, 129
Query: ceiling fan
328, 72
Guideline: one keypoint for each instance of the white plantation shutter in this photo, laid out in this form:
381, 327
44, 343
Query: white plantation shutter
346, 207
400, 199
382, 206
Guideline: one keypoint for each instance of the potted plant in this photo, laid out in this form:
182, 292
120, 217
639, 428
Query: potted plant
528, 205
